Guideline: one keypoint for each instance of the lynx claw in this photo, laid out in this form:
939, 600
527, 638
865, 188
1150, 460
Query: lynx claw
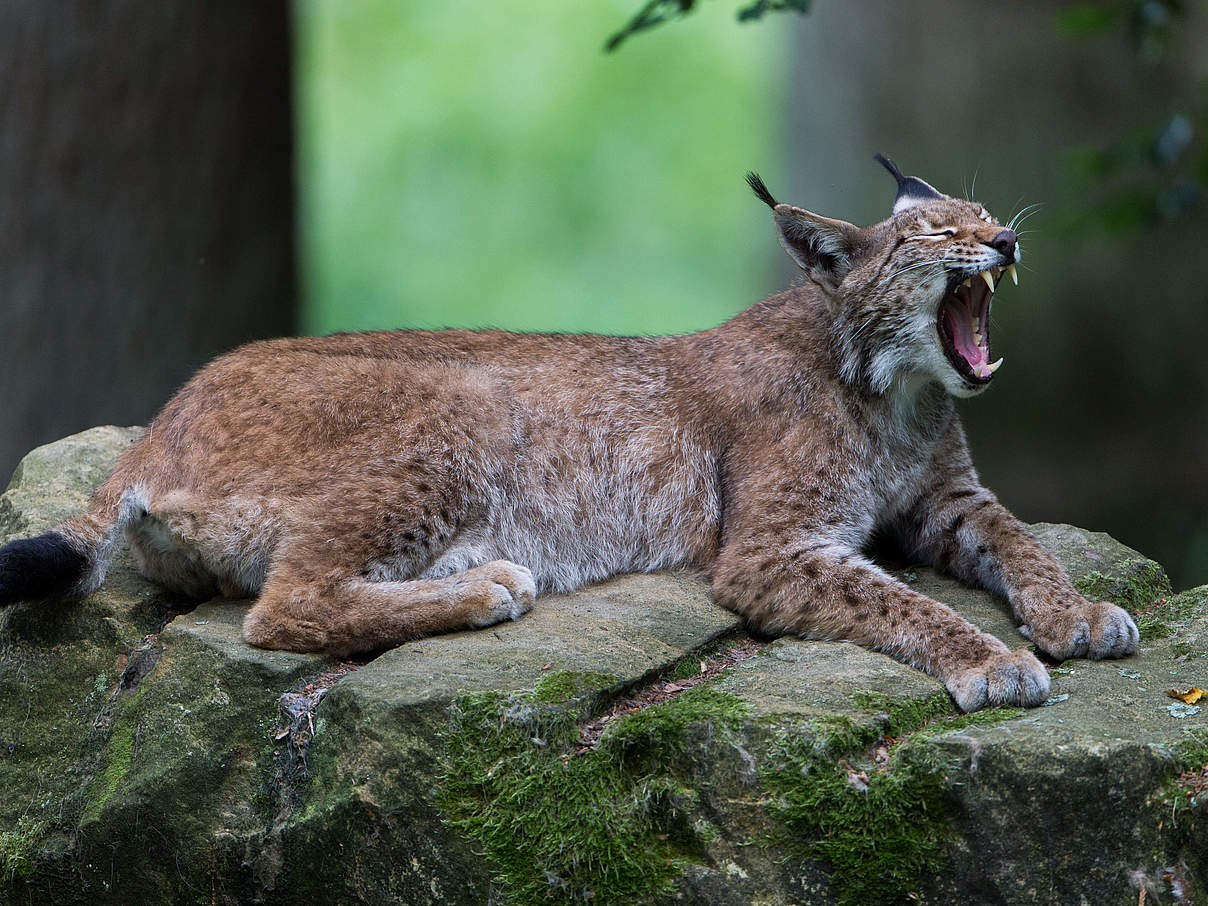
1011, 678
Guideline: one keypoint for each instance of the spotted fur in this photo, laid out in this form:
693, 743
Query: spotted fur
371, 488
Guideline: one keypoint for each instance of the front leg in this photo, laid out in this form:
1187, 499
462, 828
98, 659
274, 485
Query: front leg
963, 530
823, 590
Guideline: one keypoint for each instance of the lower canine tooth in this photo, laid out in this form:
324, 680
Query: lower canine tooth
994, 366
1014, 276
985, 275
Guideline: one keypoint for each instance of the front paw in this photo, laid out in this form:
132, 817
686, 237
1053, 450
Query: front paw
1008, 678
1081, 628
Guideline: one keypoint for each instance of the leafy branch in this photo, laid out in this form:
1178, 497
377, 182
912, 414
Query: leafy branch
656, 12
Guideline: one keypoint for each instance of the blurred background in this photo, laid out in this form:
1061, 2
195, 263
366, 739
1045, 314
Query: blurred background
181, 178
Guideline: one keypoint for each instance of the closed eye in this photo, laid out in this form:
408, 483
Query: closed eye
932, 237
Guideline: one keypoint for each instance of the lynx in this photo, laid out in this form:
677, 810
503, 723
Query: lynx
372, 488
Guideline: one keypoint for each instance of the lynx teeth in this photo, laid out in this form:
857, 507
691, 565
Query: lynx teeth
985, 275
994, 366
1014, 276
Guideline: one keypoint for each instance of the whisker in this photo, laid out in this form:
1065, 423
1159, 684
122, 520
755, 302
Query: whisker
1022, 215
911, 267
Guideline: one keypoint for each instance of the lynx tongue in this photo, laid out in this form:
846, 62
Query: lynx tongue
966, 318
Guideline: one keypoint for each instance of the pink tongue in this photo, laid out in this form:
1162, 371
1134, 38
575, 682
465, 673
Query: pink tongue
960, 325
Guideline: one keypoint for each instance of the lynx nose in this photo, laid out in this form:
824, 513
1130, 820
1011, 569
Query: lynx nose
1004, 243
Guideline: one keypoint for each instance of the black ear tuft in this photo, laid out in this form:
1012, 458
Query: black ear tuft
39, 568
911, 190
761, 190
890, 166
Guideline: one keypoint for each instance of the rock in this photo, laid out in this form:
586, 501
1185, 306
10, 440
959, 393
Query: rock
577, 755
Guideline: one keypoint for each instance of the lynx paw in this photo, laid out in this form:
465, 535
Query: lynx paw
1010, 678
502, 590
1082, 629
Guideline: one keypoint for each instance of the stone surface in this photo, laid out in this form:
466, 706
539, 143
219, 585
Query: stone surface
148, 755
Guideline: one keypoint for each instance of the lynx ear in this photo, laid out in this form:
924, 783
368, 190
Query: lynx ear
912, 191
822, 247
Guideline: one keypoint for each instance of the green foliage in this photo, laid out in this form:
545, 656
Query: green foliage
1081, 20
1157, 169
497, 170
656, 12
566, 828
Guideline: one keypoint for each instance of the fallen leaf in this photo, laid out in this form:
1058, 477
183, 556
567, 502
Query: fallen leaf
547, 665
1187, 696
703, 668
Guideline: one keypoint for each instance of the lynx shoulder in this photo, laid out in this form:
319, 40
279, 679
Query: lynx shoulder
372, 488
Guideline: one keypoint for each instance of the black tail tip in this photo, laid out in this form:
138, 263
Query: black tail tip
40, 567
761, 190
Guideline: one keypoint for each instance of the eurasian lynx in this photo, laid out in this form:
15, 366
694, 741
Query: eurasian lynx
371, 488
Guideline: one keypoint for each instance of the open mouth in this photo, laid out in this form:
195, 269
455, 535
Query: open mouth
964, 324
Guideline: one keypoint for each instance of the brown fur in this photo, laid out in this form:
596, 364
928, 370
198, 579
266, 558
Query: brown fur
375, 487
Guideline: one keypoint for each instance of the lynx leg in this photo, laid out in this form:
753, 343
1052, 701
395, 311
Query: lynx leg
352, 614
824, 591
964, 530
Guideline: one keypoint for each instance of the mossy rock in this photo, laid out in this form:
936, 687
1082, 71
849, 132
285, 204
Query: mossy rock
148, 755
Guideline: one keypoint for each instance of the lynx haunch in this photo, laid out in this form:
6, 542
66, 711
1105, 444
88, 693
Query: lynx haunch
372, 488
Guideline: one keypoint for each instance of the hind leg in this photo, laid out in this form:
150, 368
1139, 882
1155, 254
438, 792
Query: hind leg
343, 615
199, 546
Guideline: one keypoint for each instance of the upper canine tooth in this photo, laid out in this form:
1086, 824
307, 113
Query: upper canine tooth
1014, 276
993, 366
985, 275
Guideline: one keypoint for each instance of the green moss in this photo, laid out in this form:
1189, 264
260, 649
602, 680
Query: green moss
1163, 617
904, 715
685, 669
564, 685
18, 848
563, 827
1187, 650
116, 765
660, 733
880, 831
1132, 584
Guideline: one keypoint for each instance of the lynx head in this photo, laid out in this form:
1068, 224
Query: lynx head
910, 296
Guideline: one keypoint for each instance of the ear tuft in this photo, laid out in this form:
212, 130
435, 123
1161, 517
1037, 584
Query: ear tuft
912, 191
890, 166
761, 191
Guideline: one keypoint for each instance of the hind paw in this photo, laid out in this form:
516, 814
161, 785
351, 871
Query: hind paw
499, 590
